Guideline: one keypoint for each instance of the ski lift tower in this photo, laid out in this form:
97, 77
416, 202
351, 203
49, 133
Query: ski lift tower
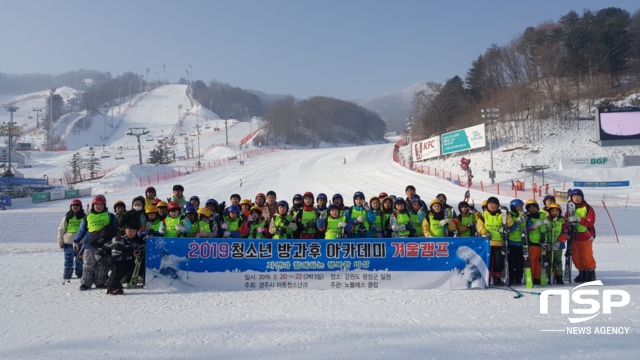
9, 130
533, 169
137, 132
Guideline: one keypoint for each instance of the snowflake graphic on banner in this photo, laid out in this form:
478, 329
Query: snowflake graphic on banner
160, 244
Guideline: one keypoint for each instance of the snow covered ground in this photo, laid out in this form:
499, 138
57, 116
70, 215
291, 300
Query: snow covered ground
44, 319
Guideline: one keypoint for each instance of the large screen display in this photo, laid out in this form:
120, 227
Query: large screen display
619, 126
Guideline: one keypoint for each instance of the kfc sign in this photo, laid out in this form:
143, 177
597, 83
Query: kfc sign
426, 149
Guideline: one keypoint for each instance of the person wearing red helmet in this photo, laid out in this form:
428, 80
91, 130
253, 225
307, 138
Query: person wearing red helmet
150, 196
69, 227
176, 224
93, 273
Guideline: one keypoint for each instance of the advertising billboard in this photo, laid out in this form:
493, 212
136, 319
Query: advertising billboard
426, 149
588, 163
465, 139
618, 127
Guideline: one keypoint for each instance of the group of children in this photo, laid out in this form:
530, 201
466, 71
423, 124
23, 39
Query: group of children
315, 217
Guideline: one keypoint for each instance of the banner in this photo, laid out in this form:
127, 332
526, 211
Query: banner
23, 181
562, 196
265, 264
426, 149
71, 194
465, 139
56, 194
38, 197
587, 163
600, 183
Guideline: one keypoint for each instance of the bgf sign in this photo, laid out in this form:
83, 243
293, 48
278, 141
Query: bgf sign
426, 149
610, 299
602, 161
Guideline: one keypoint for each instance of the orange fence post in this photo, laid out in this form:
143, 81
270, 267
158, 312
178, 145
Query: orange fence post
481, 186
565, 181
498, 186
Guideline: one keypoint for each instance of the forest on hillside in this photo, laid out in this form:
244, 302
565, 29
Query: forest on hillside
556, 71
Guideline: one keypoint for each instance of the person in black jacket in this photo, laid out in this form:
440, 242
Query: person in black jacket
118, 256
135, 215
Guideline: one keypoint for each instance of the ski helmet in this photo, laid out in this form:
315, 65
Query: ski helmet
156, 201
256, 209
531, 202
493, 200
547, 197
150, 188
245, 202
261, 195
515, 203
358, 194
382, 195
462, 204
99, 200
434, 202
76, 202
204, 211
150, 209
555, 206
333, 206
322, 196
194, 198
297, 197
309, 194
576, 192
373, 198
443, 195
174, 206
337, 196
190, 210
399, 200
234, 209
283, 203
212, 201
162, 204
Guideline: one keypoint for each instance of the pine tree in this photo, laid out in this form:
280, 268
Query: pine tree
75, 166
93, 164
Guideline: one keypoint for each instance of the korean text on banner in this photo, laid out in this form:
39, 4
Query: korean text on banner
465, 139
264, 264
426, 149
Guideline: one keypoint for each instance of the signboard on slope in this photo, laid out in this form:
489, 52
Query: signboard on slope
266, 264
465, 139
426, 149
587, 163
600, 183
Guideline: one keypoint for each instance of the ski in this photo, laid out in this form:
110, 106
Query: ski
553, 268
519, 293
571, 210
528, 277
505, 234
544, 247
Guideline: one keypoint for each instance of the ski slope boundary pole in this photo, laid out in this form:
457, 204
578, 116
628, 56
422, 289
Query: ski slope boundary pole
612, 224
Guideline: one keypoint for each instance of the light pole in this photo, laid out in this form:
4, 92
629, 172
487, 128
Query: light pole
141, 76
119, 102
191, 76
130, 82
492, 116
163, 76
37, 117
53, 91
147, 79
226, 130
137, 132
9, 129
198, 130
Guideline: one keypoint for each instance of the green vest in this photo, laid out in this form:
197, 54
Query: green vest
170, 223
536, 234
377, 222
557, 231
73, 226
402, 219
333, 230
96, 221
356, 213
415, 219
234, 224
155, 225
253, 228
308, 216
195, 226
516, 236
493, 223
581, 212
278, 223
434, 226
203, 227
466, 220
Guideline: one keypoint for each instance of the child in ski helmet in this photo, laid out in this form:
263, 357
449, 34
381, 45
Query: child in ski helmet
195, 201
206, 227
400, 222
192, 214
118, 256
521, 223
332, 224
69, 227
283, 224
152, 227
308, 217
119, 208
338, 200
135, 215
490, 227
537, 235
93, 273
417, 214
360, 216
255, 226
245, 207
548, 200
162, 210
435, 224
176, 224
557, 236
232, 223
149, 196
377, 225
451, 213
581, 227
387, 211
467, 226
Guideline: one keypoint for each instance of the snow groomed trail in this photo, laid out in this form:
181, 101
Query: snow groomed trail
43, 319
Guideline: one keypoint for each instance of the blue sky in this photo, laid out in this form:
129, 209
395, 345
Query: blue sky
344, 49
